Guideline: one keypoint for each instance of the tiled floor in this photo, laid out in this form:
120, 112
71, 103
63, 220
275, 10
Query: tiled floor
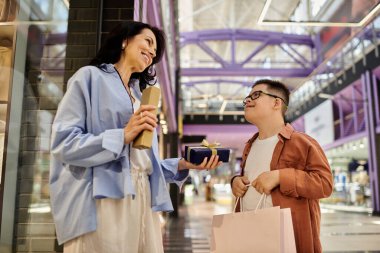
340, 231
350, 232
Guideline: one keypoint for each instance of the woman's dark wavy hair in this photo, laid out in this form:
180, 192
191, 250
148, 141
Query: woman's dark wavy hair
110, 51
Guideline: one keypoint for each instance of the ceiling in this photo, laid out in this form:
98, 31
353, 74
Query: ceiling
222, 94
210, 94
221, 14
202, 15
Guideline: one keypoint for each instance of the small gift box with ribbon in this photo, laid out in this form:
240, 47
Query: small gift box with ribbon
197, 154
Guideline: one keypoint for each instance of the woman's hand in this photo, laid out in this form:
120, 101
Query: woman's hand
205, 165
143, 119
240, 186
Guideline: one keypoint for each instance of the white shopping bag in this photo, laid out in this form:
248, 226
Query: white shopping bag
263, 230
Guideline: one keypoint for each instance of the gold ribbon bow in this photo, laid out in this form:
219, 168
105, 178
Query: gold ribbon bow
204, 144
211, 146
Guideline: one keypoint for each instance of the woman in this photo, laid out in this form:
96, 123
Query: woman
105, 194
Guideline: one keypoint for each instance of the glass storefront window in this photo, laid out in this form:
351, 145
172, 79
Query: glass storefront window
32, 67
3, 110
8, 9
6, 62
349, 164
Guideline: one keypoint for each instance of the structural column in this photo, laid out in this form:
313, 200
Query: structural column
170, 145
369, 86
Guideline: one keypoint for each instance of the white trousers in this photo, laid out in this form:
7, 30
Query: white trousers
123, 225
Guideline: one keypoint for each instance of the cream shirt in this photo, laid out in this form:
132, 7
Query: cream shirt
258, 161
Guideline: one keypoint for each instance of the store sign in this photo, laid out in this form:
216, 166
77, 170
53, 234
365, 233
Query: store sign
319, 123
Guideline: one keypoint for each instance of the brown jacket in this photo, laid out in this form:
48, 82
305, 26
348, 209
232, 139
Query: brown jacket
305, 177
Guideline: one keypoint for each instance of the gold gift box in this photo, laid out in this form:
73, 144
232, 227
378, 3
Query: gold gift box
150, 96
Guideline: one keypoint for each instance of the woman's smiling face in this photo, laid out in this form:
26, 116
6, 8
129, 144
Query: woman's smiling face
140, 50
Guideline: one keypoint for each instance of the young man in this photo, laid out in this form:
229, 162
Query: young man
289, 166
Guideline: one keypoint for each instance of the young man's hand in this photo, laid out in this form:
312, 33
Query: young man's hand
266, 181
240, 186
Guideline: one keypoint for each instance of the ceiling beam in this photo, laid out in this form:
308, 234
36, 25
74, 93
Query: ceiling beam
230, 71
245, 34
266, 39
217, 81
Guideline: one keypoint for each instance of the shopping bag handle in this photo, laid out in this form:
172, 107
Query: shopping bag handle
236, 203
260, 205
262, 201
239, 199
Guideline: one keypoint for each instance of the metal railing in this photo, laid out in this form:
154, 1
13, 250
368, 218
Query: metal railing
353, 50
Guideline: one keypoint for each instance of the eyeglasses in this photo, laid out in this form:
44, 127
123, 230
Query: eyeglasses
256, 95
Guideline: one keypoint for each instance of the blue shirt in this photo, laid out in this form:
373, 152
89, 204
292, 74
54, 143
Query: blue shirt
89, 159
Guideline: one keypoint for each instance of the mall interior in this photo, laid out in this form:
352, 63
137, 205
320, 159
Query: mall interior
325, 51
